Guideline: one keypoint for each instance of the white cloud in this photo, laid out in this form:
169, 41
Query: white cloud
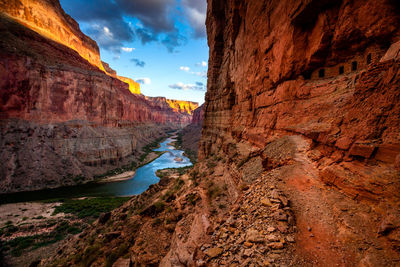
201, 64
202, 74
107, 31
127, 49
184, 68
182, 86
143, 80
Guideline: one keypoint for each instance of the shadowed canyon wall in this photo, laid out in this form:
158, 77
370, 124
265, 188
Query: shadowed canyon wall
299, 158
63, 120
310, 89
191, 134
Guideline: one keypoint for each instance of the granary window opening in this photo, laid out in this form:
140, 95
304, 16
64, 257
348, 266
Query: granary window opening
369, 59
321, 73
307, 75
354, 65
341, 69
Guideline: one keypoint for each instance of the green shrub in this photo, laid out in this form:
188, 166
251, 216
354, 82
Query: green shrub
159, 206
90, 207
213, 190
19, 244
156, 221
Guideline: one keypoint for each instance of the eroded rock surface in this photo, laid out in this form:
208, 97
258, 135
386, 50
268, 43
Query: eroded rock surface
307, 85
62, 119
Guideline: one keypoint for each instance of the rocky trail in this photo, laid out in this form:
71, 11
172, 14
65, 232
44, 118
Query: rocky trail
258, 232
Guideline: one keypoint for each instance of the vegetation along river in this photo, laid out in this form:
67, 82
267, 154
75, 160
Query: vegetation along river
143, 178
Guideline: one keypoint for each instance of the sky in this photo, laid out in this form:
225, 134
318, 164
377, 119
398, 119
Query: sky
161, 44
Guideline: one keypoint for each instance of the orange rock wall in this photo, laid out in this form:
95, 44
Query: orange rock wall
198, 116
62, 119
261, 52
49, 19
182, 106
134, 87
264, 89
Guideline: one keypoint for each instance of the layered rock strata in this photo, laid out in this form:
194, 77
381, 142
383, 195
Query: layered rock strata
180, 106
59, 113
49, 19
308, 91
190, 135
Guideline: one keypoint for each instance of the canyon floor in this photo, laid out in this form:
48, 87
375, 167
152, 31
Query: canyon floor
30, 231
231, 211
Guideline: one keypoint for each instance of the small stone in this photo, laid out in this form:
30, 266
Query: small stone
200, 263
265, 202
214, 252
280, 215
247, 252
282, 227
253, 236
309, 228
121, 262
275, 207
290, 239
274, 256
284, 200
276, 245
271, 229
248, 244
266, 263
272, 238
275, 194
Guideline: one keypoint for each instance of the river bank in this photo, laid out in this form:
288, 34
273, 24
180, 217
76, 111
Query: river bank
31, 230
129, 174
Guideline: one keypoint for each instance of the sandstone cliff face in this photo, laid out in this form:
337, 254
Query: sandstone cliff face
308, 93
185, 108
59, 113
198, 116
190, 135
134, 87
299, 154
49, 19
182, 106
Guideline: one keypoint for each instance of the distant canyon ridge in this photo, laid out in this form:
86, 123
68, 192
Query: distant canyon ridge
66, 116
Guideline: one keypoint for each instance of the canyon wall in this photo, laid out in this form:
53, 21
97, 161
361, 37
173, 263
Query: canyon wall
198, 116
63, 120
48, 19
183, 107
299, 158
190, 135
309, 92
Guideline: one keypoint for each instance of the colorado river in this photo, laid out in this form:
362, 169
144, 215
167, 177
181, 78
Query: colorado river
143, 178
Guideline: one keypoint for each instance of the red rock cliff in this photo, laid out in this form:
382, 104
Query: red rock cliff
308, 91
57, 105
198, 115
49, 19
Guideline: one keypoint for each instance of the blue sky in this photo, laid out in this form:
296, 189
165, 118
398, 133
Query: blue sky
160, 43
